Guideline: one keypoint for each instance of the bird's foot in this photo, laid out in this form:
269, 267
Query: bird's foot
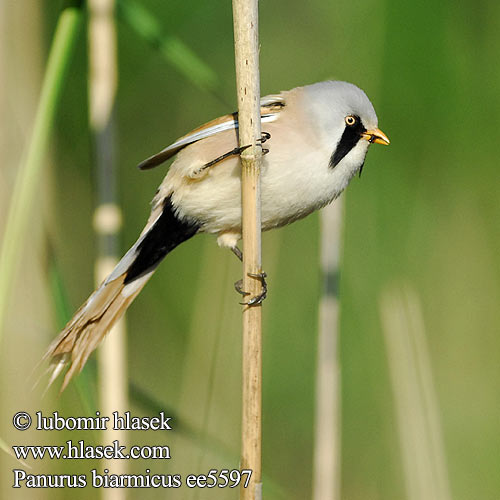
258, 299
238, 286
264, 136
237, 252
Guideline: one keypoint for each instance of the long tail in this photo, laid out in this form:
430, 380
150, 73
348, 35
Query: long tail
106, 305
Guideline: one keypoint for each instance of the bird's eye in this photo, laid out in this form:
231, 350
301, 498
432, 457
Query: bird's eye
350, 120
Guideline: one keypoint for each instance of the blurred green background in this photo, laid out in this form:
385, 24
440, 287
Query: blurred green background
425, 213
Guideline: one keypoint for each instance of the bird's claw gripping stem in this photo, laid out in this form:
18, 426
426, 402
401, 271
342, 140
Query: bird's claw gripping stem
264, 136
258, 299
238, 286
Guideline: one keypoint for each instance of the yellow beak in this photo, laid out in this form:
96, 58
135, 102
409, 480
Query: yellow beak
376, 135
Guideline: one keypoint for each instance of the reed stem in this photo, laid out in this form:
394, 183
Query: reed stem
246, 41
326, 471
103, 77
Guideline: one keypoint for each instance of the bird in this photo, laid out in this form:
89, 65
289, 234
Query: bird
316, 140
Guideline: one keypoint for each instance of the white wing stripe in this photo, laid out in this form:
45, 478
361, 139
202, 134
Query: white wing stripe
215, 129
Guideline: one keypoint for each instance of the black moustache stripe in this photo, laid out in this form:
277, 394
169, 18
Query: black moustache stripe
349, 139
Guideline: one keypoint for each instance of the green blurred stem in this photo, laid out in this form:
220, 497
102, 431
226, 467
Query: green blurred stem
174, 50
30, 169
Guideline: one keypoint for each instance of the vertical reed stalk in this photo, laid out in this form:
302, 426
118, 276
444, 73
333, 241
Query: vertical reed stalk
21, 63
417, 408
246, 41
103, 77
326, 471
30, 169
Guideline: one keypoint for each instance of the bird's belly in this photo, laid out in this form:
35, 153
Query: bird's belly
290, 190
296, 189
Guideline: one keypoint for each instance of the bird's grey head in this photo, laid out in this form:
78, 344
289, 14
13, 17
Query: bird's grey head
347, 120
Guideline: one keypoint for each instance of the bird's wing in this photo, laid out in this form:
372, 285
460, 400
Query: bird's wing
270, 107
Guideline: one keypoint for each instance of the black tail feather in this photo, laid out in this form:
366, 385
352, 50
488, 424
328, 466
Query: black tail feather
166, 233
